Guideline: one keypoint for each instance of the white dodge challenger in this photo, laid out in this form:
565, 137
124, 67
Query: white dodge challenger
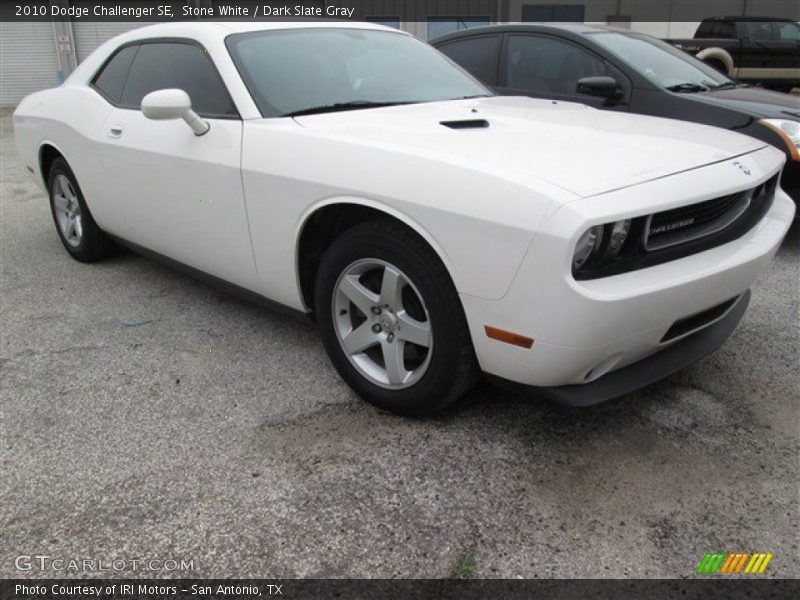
433, 230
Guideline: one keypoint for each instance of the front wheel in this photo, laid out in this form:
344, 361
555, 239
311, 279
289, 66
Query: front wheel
391, 320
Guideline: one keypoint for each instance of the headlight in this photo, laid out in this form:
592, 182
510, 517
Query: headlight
599, 243
619, 233
789, 131
587, 245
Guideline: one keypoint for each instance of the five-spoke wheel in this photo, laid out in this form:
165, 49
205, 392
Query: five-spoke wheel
391, 319
67, 210
80, 235
382, 323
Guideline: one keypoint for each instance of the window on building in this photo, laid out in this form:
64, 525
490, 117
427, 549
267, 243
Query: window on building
477, 55
385, 21
544, 64
564, 13
111, 79
159, 66
438, 26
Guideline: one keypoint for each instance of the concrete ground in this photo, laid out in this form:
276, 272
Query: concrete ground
219, 433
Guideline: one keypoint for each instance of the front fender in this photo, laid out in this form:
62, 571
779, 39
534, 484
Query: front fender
719, 54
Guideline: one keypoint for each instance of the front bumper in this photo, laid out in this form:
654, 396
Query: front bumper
645, 372
586, 331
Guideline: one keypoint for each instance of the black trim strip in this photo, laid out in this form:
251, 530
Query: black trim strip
164, 40
221, 284
697, 321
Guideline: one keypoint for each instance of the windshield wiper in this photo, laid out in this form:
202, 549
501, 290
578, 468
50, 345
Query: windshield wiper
354, 105
687, 87
472, 97
727, 85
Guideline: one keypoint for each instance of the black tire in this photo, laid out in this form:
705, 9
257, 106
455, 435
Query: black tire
94, 245
453, 368
717, 65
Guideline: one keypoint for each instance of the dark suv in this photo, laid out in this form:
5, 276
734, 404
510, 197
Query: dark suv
758, 50
619, 70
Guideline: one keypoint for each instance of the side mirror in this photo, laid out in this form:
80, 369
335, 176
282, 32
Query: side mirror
602, 86
167, 105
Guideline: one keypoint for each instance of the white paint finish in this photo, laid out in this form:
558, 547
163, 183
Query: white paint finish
179, 194
502, 206
537, 141
626, 313
481, 223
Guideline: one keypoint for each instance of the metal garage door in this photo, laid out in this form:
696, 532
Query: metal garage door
28, 60
89, 36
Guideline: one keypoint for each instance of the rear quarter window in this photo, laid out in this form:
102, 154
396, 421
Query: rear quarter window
110, 80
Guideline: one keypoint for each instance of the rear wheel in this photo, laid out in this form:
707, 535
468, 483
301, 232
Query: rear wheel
80, 235
391, 320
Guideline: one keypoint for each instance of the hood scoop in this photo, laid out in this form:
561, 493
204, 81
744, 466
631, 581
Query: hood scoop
466, 124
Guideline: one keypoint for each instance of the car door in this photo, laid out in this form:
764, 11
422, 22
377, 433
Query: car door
547, 67
787, 59
758, 51
177, 193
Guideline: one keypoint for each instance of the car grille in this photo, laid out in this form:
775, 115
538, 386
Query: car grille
687, 223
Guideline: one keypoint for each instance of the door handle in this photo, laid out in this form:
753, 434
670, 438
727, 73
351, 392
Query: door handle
115, 131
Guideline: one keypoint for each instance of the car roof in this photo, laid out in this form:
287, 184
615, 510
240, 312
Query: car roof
748, 18
212, 28
576, 29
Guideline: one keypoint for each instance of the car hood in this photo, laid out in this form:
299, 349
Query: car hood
579, 149
752, 101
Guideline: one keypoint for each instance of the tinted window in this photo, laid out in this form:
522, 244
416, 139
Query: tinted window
658, 61
174, 65
716, 29
788, 31
477, 55
759, 31
705, 30
725, 29
541, 64
111, 78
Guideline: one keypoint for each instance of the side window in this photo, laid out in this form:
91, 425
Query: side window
111, 79
705, 30
726, 30
759, 31
542, 64
163, 65
477, 55
788, 32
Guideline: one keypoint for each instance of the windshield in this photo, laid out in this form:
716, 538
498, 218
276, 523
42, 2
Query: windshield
302, 70
661, 63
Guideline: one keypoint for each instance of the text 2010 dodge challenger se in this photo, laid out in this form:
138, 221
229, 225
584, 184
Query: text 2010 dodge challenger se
435, 231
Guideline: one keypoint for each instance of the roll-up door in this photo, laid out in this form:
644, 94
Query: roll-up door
28, 59
89, 36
